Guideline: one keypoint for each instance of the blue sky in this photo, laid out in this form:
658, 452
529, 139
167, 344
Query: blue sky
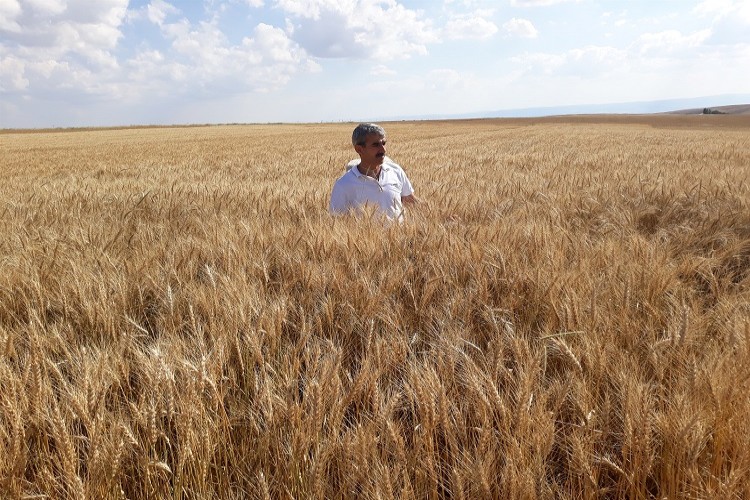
67, 63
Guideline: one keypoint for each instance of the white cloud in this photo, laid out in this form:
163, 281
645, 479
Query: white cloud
538, 3
54, 46
203, 59
12, 74
9, 12
70, 47
359, 29
521, 28
382, 70
473, 27
312, 8
464, 3
46, 7
714, 7
158, 10
64, 26
669, 41
731, 20
582, 62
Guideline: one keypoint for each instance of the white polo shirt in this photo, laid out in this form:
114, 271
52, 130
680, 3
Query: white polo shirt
353, 190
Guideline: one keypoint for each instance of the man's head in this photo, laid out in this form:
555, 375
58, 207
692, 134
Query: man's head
369, 143
363, 130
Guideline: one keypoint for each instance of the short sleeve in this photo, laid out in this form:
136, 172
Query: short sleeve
406, 187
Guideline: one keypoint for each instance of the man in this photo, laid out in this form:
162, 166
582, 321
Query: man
376, 180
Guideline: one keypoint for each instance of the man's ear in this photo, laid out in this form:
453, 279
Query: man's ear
358, 148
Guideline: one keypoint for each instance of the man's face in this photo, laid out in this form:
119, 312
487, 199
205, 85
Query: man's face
373, 151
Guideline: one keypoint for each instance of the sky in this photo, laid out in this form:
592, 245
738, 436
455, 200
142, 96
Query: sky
74, 63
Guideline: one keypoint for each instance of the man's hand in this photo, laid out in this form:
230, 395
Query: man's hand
410, 200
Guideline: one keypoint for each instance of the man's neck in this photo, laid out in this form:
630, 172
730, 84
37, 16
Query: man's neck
371, 170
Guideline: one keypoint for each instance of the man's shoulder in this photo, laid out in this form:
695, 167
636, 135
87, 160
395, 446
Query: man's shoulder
388, 162
346, 177
392, 164
394, 168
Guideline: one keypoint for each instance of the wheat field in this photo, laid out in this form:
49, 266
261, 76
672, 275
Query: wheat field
566, 315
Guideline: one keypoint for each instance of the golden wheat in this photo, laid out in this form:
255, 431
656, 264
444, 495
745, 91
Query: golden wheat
566, 316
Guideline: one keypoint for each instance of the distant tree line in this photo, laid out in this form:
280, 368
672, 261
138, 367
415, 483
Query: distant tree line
709, 111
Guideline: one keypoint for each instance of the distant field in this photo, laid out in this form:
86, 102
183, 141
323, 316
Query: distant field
566, 316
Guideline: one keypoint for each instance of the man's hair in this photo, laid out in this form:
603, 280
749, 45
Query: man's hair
359, 136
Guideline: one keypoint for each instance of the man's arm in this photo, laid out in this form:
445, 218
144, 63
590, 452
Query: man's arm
339, 204
410, 200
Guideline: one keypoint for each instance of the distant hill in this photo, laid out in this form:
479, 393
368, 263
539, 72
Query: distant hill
692, 105
736, 109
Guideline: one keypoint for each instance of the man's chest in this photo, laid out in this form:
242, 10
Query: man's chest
386, 186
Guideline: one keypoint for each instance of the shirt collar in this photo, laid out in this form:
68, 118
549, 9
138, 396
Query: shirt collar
385, 167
